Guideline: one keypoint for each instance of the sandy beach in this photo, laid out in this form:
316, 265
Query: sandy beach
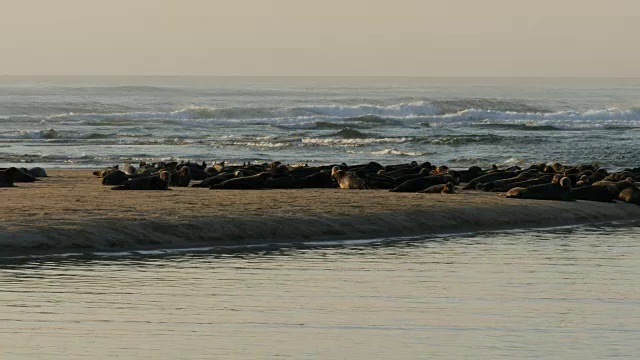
72, 211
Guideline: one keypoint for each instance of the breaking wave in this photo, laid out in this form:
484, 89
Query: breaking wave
400, 152
457, 140
349, 133
494, 113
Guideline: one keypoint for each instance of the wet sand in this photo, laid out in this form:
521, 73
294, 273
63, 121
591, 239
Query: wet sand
71, 211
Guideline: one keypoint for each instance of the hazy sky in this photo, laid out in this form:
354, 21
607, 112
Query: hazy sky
325, 37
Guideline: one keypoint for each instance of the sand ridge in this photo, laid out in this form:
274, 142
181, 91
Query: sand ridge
71, 210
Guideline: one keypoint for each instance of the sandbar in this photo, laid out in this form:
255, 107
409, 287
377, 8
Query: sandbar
71, 211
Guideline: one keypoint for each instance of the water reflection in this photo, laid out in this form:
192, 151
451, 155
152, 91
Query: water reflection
561, 293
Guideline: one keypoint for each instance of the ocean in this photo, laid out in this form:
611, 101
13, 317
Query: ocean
552, 294
86, 122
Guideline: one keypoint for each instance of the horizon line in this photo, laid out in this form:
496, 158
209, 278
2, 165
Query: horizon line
322, 76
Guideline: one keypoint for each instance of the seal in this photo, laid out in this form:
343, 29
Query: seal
614, 188
591, 193
376, 181
401, 179
537, 181
320, 179
38, 172
302, 171
8, 177
447, 188
440, 170
129, 169
401, 172
156, 182
195, 172
182, 177
115, 177
25, 176
630, 194
244, 182
470, 174
282, 182
491, 185
104, 171
422, 183
583, 181
217, 179
559, 191
497, 175
347, 180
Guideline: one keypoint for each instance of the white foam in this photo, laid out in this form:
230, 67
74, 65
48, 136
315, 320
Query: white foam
568, 119
399, 152
419, 108
353, 142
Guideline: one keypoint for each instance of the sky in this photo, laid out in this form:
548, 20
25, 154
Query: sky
511, 38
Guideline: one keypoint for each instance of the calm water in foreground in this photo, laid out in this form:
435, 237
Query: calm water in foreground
554, 294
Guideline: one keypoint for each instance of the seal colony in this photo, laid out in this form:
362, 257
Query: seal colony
539, 182
71, 210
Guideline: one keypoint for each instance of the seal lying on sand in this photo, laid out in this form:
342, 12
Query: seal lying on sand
129, 169
347, 180
527, 183
492, 185
104, 171
447, 188
217, 179
630, 194
498, 175
8, 177
559, 191
320, 179
244, 183
116, 177
422, 183
182, 177
591, 193
38, 172
614, 188
23, 175
156, 182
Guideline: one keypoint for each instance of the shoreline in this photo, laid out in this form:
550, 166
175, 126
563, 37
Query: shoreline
72, 212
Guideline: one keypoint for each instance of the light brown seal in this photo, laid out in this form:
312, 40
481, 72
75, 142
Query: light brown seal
447, 188
630, 194
347, 180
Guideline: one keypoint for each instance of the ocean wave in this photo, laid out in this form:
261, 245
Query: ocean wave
31, 134
326, 125
329, 124
504, 105
349, 133
354, 142
364, 112
520, 126
469, 160
452, 113
53, 134
560, 120
513, 161
457, 140
373, 119
401, 152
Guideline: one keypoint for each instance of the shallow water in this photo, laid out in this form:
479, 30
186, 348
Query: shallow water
553, 294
